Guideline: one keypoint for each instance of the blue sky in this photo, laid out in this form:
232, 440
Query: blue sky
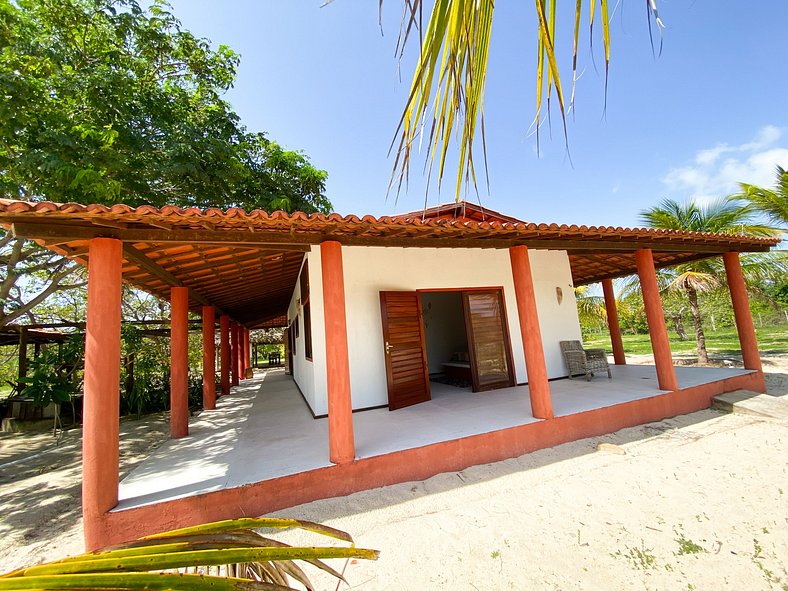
707, 113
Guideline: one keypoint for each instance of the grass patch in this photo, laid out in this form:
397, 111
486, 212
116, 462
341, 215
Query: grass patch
724, 341
640, 558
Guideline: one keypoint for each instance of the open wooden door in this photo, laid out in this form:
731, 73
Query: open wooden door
406, 358
488, 340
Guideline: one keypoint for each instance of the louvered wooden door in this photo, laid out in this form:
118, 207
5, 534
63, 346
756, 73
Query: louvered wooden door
406, 358
488, 339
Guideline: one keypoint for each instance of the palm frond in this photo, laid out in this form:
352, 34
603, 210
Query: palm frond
772, 202
446, 98
722, 216
248, 560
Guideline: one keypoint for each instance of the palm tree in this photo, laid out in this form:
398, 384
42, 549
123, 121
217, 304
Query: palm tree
772, 202
722, 217
447, 92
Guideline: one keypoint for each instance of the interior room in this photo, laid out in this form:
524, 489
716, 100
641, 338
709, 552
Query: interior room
446, 338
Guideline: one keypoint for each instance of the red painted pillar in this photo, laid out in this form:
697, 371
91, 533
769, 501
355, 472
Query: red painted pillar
179, 362
741, 311
208, 358
341, 444
612, 322
247, 350
234, 351
538, 386
660, 344
239, 348
101, 412
244, 336
224, 338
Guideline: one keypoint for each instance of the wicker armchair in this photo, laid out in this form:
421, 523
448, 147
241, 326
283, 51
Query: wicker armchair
584, 361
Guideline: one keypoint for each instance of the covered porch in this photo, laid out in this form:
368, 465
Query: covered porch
261, 450
264, 430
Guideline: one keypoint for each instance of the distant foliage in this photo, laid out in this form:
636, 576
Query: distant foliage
56, 374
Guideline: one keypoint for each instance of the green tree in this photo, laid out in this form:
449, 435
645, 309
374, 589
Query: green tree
103, 102
696, 277
771, 202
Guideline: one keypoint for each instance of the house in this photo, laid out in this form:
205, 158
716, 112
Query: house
374, 309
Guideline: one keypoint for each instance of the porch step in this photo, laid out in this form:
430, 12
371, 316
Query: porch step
747, 402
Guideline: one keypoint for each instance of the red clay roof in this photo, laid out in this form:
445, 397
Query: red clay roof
247, 263
350, 225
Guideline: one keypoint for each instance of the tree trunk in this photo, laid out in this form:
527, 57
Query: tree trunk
700, 337
678, 326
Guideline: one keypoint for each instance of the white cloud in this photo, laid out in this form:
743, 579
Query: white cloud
717, 171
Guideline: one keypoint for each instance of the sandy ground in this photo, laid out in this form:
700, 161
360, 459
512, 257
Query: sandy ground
695, 502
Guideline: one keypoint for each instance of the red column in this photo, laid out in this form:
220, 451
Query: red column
244, 336
101, 387
660, 344
208, 358
239, 348
741, 311
224, 338
612, 322
247, 350
179, 362
538, 386
341, 443
234, 351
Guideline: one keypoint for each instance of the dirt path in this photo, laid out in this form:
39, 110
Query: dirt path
695, 502
40, 489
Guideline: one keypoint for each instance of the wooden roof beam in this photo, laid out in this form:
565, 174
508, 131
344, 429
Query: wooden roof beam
63, 233
134, 255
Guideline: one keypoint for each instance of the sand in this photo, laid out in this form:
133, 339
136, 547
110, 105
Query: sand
695, 502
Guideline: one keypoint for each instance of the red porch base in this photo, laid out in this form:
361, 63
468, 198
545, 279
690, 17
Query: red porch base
403, 466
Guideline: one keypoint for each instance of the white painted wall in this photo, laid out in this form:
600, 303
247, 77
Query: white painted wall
558, 322
311, 375
370, 270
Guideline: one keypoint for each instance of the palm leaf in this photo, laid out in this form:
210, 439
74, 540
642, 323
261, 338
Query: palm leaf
250, 560
446, 98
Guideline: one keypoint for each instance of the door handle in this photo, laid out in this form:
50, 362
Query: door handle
388, 348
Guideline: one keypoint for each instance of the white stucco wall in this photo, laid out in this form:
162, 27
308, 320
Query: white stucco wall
311, 375
370, 270
558, 322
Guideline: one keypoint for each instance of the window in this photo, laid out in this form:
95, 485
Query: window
307, 311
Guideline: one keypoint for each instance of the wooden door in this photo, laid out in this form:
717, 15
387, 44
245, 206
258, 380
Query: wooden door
406, 356
488, 340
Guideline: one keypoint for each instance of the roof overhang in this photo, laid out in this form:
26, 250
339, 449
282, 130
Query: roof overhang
246, 264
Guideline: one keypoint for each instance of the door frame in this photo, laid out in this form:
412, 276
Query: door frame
507, 336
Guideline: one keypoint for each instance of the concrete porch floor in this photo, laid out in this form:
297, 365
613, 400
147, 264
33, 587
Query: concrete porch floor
264, 429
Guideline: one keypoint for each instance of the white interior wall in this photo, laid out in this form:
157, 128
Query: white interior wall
444, 327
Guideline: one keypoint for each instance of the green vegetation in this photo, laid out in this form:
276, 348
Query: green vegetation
447, 90
640, 558
721, 342
220, 556
687, 546
104, 102
707, 275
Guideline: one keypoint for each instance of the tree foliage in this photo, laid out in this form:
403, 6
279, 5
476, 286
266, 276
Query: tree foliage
446, 98
107, 102
104, 101
772, 202
707, 275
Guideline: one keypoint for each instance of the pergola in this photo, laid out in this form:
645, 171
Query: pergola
243, 267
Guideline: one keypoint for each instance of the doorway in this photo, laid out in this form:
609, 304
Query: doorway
460, 334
